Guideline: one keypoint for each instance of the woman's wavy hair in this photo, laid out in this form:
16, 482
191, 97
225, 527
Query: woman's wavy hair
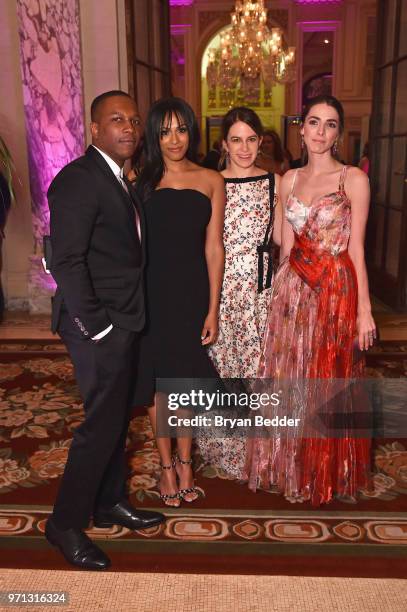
330, 101
159, 117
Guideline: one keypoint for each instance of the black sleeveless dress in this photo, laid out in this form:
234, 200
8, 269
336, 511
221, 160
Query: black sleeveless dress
177, 292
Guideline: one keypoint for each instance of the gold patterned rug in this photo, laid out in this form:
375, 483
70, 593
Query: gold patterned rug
228, 529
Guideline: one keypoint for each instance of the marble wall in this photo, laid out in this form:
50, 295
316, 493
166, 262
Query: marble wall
41, 114
53, 104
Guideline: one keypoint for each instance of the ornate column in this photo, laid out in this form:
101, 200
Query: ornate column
53, 104
178, 34
181, 17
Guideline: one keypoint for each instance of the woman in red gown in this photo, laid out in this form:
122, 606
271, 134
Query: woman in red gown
319, 313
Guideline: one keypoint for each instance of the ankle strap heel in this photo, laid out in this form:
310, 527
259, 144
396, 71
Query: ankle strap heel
168, 467
177, 459
189, 490
169, 498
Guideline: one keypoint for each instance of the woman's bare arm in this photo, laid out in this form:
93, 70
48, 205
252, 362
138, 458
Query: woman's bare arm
278, 215
358, 191
215, 255
287, 234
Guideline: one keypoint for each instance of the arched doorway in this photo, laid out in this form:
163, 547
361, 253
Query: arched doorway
216, 99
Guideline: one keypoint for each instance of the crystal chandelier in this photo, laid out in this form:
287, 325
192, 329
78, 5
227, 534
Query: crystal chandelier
249, 31
250, 54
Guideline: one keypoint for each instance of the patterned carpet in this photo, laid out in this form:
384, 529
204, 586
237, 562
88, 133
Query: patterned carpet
229, 529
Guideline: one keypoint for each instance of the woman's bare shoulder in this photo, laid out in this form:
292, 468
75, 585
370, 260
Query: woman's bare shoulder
355, 175
357, 186
211, 176
287, 178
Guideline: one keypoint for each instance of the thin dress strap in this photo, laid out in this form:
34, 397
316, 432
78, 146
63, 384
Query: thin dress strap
294, 181
342, 179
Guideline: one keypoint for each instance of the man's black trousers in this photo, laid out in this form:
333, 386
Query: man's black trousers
95, 472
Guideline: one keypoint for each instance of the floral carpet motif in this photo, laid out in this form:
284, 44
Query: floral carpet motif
51, 409
39, 401
40, 407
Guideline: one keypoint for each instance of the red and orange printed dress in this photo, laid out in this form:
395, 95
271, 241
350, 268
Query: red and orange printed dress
310, 334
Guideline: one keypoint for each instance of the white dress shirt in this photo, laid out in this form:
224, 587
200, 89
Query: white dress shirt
119, 174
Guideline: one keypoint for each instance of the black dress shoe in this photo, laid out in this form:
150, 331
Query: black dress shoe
77, 548
125, 515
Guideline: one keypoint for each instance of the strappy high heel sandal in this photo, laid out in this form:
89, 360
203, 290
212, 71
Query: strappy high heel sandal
167, 498
183, 492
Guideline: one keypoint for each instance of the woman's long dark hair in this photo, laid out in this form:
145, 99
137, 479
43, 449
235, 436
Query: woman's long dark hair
330, 101
159, 117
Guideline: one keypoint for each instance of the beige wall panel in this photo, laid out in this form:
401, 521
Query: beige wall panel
104, 51
18, 245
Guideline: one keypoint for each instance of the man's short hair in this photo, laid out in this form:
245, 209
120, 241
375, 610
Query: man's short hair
99, 99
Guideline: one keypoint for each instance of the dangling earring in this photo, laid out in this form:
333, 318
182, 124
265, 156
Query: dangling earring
335, 148
302, 142
223, 158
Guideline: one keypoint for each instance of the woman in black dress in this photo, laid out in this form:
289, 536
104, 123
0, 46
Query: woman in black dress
184, 210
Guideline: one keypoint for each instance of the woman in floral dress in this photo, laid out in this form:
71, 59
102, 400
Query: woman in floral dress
250, 214
319, 317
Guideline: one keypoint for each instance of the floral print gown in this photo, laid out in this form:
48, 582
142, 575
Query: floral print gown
243, 310
310, 336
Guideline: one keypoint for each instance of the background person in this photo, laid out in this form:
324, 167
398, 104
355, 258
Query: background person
271, 154
364, 162
212, 158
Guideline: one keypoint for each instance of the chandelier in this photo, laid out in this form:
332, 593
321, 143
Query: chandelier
251, 54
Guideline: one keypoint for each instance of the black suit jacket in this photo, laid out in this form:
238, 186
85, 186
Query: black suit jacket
97, 259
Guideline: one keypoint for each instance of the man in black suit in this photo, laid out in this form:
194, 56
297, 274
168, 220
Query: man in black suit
97, 237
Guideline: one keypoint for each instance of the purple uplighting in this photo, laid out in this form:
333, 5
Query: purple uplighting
53, 104
181, 2
318, 1
179, 28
